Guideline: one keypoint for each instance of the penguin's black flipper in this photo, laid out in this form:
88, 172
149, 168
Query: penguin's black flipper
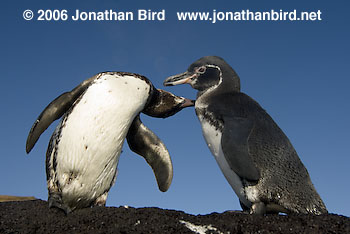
234, 142
145, 143
54, 111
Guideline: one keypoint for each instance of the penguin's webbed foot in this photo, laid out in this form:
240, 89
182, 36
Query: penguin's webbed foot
258, 208
101, 200
55, 201
262, 208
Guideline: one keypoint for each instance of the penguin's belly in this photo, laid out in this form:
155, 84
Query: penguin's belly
213, 139
92, 136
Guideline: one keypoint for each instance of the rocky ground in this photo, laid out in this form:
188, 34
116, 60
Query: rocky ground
35, 217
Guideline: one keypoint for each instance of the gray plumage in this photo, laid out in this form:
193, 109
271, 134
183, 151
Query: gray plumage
270, 172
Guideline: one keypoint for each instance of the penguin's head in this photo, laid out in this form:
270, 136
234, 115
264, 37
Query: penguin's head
163, 104
205, 73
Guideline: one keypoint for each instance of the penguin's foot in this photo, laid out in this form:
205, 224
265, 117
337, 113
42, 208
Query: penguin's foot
101, 200
55, 200
261, 208
258, 208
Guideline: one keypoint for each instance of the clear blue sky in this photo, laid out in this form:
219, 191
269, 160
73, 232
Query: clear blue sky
298, 72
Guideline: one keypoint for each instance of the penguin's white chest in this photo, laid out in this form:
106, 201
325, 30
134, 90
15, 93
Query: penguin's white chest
212, 137
92, 135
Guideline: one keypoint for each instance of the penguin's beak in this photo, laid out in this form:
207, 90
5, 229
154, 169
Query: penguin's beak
183, 78
187, 102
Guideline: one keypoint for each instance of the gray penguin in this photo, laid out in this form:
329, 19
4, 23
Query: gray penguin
254, 154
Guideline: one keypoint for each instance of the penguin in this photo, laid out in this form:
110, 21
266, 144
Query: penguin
84, 150
254, 154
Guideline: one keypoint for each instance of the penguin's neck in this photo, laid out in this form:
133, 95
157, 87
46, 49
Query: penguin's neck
221, 87
202, 96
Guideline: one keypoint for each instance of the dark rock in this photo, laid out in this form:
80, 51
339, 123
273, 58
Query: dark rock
36, 217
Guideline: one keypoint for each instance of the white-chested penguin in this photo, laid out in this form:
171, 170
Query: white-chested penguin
83, 153
253, 153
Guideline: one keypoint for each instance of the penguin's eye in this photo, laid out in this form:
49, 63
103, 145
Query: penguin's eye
201, 69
